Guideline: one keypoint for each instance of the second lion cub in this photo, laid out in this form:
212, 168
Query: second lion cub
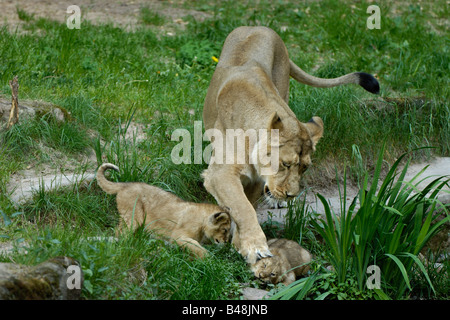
289, 260
186, 223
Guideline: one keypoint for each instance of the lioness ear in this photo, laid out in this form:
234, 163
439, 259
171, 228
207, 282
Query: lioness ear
274, 122
315, 128
219, 216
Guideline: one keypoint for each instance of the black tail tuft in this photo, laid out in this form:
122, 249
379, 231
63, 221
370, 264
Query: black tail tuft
368, 82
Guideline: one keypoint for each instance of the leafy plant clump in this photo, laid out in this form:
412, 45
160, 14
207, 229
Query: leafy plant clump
203, 53
385, 233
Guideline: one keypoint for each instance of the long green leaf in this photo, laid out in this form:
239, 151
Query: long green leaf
308, 285
380, 293
395, 190
292, 289
401, 267
422, 268
6, 219
433, 230
395, 240
323, 296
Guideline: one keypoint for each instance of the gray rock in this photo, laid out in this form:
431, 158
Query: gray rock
58, 278
29, 109
253, 294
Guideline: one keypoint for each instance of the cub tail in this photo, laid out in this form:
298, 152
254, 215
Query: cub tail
106, 185
365, 80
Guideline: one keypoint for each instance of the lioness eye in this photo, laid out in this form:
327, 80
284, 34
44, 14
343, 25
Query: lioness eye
303, 167
287, 165
272, 274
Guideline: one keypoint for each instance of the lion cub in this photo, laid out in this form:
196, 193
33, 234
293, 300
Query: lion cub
287, 254
186, 223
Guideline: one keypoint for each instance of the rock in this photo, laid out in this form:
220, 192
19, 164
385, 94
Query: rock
25, 111
7, 248
29, 109
253, 294
23, 190
58, 278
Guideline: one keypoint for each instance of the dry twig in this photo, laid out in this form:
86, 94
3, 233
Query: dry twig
14, 113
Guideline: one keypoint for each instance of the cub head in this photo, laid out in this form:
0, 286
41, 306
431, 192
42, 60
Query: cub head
271, 270
217, 227
290, 155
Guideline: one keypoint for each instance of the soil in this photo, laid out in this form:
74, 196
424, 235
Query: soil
124, 13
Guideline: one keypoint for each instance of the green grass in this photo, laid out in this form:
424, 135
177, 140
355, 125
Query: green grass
137, 266
106, 77
147, 16
394, 221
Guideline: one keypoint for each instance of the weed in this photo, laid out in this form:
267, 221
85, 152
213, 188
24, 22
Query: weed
148, 16
389, 229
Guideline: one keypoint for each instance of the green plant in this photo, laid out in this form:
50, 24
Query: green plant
393, 225
438, 271
148, 16
297, 221
323, 284
390, 227
199, 52
123, 153
23, 15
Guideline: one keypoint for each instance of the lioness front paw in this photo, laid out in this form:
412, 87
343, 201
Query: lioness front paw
254, 249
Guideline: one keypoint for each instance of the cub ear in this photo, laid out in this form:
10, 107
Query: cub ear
219, 217
315, 128
274, 122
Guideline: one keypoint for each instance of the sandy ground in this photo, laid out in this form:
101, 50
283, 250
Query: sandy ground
124, 13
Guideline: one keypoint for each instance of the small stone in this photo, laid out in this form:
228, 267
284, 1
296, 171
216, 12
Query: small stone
50, 280
253, 294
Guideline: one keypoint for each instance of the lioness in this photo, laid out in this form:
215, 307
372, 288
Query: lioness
289, 260
250, 90
186, 223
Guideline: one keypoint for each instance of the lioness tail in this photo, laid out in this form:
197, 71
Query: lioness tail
106, 185
365, 80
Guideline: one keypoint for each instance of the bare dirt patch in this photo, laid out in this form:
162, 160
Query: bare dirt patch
123, 13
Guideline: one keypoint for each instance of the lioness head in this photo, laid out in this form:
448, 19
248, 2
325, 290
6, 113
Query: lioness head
295, 143
271, 270
217, 227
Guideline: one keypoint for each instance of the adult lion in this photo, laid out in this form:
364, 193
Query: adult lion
250, 90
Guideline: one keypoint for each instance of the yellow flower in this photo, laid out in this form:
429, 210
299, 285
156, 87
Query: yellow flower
215, 59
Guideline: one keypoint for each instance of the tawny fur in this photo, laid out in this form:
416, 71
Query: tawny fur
250, 90
289, 261
185, 223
